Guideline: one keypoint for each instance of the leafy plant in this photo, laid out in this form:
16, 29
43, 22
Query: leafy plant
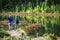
49, 37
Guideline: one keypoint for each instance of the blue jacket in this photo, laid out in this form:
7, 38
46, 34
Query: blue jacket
10, 19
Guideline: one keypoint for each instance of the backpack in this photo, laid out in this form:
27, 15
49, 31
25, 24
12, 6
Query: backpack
17, 20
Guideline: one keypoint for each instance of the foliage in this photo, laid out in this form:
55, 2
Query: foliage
3, 17
34, 30
49, 37
5, 36
30, 6
3, 33
50, 24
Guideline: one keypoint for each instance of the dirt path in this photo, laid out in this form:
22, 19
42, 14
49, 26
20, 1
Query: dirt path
38, 38
14, 33
29, 14
17, 34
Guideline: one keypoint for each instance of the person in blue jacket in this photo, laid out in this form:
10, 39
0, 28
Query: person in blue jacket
16, 20
10, 20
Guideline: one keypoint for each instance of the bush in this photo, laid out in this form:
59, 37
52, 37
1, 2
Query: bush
34, 30
3, 33
49, 37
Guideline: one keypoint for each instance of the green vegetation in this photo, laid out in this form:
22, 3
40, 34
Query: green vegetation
50, 24
47, 26
34, 6
49, 37
5, 36
35, 30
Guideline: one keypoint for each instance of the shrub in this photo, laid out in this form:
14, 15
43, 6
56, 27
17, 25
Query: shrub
49, 37
3, 33
35, 30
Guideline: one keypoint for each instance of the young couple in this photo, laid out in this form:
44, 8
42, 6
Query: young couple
11, 20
